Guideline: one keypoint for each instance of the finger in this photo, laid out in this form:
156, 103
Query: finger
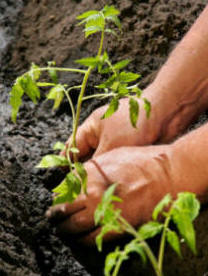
86, 138
90, 238
77, 223
60, 211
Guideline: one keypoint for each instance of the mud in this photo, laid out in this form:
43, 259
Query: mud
39, 31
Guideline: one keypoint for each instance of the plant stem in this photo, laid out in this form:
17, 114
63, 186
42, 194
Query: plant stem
128, 228
98, 95
61, 69
117, 267
101, 43
162, 243
74, 87
81, 95
79, 104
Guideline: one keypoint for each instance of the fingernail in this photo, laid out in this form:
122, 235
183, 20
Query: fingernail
48, 213
63, 208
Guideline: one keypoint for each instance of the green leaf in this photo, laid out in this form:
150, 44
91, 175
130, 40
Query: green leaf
34, 72
59, 146
128, 77
108, 83
104, 230
161, 205
83, 175
150, 229
105, 205
112, 108
110, 31
16, 100
133, 111
123, 90
52, 73
147, 107
30, 87
138, 91
68, 190
87, 14
89, 61
106, 215
45, 84
109, 193
174, 242
111, 261
74, 150
52, 160
57, 94
121, 64
135, 246
185, 209
187, 202
92, 30
94, 25
186, 229
110, 10
115, 20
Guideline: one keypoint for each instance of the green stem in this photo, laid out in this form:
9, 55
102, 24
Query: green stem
73, 117
101, 43
151, 256
70, 103
162, 243
117, 267
74, 87
44, 84
79, 104
103, 95
81, 95
111, 66
61, 69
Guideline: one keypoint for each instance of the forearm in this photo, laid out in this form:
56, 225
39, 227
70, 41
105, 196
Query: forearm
180, 91
189, 163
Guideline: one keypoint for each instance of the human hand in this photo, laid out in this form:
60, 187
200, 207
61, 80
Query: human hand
102, 135
142, 177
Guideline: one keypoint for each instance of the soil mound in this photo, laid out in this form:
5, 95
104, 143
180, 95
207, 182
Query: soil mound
43, 30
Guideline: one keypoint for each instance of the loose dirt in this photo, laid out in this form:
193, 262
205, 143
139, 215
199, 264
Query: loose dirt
43, 30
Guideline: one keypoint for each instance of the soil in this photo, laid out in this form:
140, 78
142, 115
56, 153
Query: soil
43, 30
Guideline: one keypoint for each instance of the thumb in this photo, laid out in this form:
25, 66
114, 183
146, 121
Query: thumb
87, 138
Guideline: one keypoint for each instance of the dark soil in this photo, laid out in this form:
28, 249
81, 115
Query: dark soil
39, 31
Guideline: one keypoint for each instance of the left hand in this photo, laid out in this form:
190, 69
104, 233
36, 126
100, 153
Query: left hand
143, 180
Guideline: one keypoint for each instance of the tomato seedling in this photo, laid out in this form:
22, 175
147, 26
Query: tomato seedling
117, 84
181, 211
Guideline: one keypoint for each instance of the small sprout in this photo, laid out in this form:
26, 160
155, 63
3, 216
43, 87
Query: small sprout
182, 212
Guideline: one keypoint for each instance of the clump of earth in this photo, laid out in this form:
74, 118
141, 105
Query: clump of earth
44, 30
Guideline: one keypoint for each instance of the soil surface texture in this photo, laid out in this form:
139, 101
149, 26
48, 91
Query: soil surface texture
44, 30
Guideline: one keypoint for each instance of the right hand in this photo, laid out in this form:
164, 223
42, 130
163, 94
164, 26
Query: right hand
101, 135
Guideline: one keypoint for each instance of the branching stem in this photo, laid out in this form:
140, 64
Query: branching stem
101, 95
60, 69
80, 99
162, 243
151, 256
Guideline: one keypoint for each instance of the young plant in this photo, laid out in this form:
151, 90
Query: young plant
117, 84
181, 212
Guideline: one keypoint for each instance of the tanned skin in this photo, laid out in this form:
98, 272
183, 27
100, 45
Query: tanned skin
146, 162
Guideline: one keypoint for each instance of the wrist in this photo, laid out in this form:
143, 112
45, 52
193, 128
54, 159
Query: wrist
174, 109
189, 163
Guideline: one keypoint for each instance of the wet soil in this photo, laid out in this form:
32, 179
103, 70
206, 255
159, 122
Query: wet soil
39, 31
